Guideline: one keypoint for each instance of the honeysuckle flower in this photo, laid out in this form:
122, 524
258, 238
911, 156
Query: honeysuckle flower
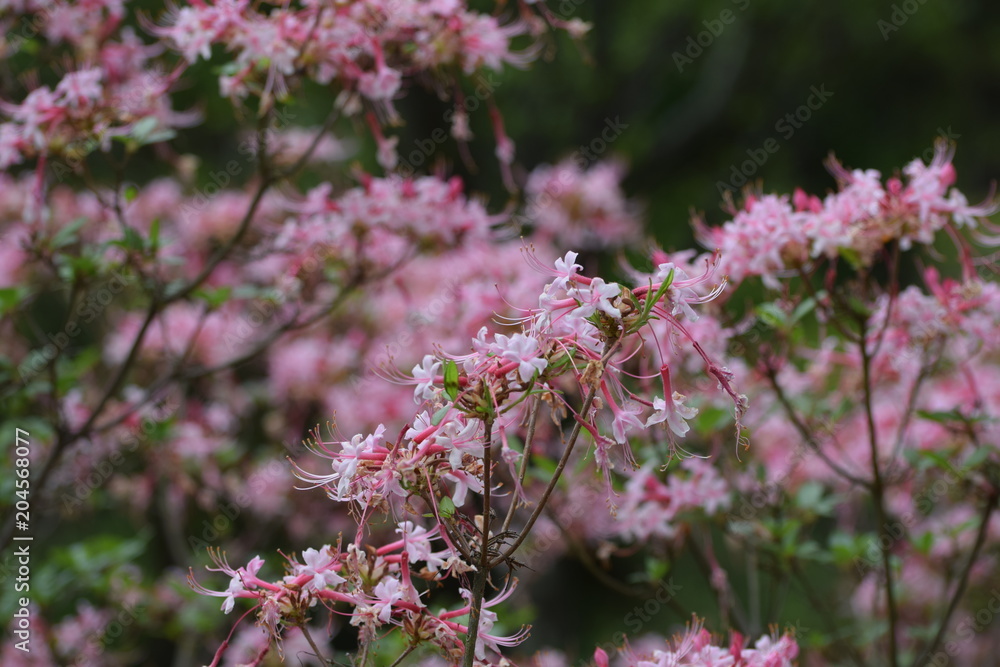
626, 417
81, 89
235, 587
463, 483
681, 294
425, 373
566, 270
416, 540
523, 350
674, 413
345, 462
579, 208
487, 619
319, 563
459, 438
243, 581
597, 296
386, 592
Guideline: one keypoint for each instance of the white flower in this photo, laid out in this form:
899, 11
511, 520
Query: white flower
675, 413
424, 373
316, 564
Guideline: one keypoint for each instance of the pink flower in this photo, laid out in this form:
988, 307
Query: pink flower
566, 271
320, 564
387, 591
425, 374
524, 351
10, 145
381, 84
597, 296
81, 89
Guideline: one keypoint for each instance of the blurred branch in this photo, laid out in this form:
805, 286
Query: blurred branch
963, 582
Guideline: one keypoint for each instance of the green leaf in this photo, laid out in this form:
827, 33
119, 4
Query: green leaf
858, 306
440, 414
451, 379
10, 298
143, 128
446, 507
144, 132
78, 267
486, 407
852, 257
803, 309
978, 456
131, 192
941, 417
923, 542
771, 315
214, 297
154, 235
652, 300
132, 239
542, 467
160, 136
845, 548
67, 235
926, 458
809, 494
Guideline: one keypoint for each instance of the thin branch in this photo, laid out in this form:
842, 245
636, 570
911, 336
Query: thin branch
804, 432
826, 614
963, 581
402, 656
732, 615
878, 494
574, 436
525, 454
911, 405
483, 571
315, 648
610, 582
844, 331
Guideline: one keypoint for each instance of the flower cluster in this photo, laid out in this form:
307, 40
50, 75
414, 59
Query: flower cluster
118, 97
696, 649
653, 509
579, 208
381, 585
776, 235
444, 456
365, 46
